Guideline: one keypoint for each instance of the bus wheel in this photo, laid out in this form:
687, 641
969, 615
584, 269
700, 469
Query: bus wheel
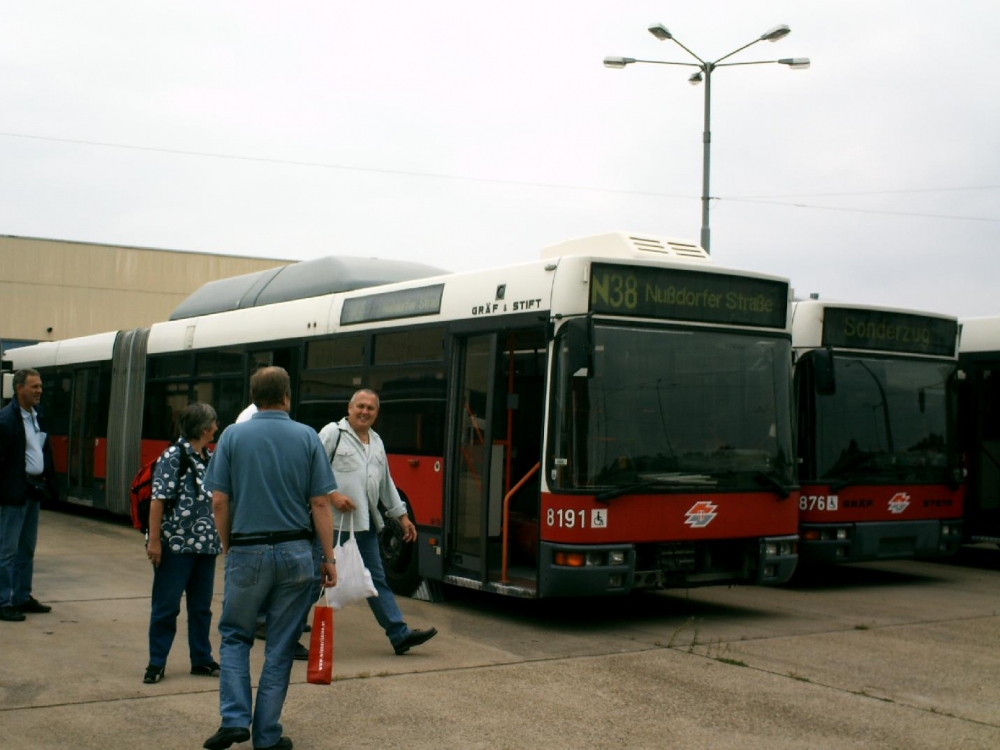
399, 558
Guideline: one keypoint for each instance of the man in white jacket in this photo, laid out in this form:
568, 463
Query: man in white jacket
362, 473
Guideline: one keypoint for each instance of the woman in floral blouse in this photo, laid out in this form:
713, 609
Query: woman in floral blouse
183, 545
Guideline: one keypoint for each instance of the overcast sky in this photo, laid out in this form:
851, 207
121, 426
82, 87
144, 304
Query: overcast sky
465, 135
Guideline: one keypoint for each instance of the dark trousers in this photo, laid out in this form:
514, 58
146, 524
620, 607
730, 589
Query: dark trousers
177, 574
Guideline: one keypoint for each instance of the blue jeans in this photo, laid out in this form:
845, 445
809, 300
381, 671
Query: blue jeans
18, 536
384, 605
177, 574
281, 580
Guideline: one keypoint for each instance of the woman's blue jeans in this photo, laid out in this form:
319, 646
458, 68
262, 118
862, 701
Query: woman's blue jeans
178, 574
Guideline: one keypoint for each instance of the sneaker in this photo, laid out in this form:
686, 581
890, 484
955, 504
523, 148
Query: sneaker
260, 632
225, 737
211, 669
33, 606
153, 674
301, 654
11, 614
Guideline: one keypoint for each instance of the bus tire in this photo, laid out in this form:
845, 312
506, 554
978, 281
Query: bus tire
399, 558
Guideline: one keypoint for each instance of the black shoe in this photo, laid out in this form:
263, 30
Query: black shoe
153, 674
260, 632
415, 638
34, 607
307, 629
11, 614
212, 669
285, 743
301, 654
225, 737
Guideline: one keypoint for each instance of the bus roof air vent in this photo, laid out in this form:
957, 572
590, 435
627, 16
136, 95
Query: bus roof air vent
625, 245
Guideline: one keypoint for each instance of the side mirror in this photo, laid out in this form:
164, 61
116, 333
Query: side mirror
577, 344
826, 383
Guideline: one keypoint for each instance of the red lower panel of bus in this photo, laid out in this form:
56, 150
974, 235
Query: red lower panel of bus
421, 479
60, 455
863, 503
580, 519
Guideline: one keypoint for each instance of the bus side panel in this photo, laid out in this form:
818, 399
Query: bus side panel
421, 479
101, 458
859, 503
60, 453
580, 519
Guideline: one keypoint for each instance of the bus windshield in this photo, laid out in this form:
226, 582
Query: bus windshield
662, 410
887, 421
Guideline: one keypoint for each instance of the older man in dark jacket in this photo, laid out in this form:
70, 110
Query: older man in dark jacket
27, 477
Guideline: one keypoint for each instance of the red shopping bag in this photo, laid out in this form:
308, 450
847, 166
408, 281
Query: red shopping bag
320, 670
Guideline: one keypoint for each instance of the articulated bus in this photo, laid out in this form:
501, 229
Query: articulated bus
877, 419
979, 431
615, 416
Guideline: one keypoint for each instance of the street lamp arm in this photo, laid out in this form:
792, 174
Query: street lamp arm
792, 62
667, 62
740, 49
674, 40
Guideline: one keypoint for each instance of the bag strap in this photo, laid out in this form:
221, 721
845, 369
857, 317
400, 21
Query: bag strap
329, 456
341, 529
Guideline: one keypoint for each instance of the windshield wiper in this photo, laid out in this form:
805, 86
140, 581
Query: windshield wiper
860, 479
666, 480
770, 479
773, 480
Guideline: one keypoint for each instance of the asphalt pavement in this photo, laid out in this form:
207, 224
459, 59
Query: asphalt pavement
894, 655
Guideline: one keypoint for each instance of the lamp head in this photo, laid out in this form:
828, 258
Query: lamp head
778, 32
796, 63
695, 78
660, 31
618, 62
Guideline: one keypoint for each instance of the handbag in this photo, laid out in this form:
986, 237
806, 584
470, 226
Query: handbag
320, 669
354, 582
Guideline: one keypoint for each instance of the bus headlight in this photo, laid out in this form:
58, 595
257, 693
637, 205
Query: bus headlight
771, 549
616, 557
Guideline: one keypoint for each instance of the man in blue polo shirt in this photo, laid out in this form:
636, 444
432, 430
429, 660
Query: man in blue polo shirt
270, 483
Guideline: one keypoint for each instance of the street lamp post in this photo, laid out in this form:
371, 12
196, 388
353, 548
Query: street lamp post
705, 70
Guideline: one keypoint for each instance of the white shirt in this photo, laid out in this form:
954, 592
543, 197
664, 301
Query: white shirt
246, 413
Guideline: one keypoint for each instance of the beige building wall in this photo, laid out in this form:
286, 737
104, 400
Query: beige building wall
54, 289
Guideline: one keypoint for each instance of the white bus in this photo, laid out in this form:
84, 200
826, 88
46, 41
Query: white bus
613, 416
979, 409
877, 419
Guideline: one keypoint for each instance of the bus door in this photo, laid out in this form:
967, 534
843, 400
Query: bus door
497, 442
82, 435
468, 493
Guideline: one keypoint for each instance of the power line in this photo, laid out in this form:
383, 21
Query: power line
865, 210
865, 192
344, 167
767, 200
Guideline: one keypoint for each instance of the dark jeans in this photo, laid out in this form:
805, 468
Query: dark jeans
179, 574
18, 535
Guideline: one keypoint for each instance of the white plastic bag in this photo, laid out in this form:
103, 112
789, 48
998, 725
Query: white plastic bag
354, 582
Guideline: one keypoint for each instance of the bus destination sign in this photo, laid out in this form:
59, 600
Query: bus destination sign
673, 294
889, 331
406, 303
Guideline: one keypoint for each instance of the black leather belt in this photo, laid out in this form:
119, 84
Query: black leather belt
36, 477
244, 540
